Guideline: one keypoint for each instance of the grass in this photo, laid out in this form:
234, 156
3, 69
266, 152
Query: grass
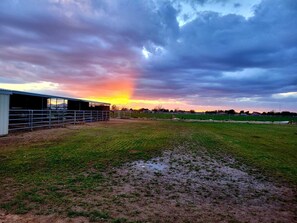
270, 148
89, 147
48, 173
93, 215
208, 117
43, 177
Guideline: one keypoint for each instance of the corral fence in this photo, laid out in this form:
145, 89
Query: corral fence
33, 119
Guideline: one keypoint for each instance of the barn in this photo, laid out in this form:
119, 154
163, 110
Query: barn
27, 111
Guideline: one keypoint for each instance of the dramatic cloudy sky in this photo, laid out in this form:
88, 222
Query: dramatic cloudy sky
186, 54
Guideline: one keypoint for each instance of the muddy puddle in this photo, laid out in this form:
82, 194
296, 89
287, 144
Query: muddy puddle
183, 186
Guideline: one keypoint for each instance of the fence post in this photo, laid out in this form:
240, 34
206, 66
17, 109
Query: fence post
74, 117
64, 118
31, 119
50, 118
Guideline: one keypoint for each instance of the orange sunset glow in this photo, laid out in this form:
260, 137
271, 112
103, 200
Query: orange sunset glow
116, 92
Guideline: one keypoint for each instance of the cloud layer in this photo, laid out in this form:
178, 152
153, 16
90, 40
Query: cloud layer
155, 50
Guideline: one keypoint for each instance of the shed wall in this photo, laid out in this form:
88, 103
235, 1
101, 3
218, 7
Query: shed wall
4, 114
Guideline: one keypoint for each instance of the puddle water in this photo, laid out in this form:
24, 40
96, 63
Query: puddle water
150, 165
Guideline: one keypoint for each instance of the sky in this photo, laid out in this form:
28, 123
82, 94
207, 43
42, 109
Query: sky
178, 54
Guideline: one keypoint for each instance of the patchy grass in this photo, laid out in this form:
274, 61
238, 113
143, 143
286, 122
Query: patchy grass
84, 149
92, 215
49, 176
38, 175
270, 148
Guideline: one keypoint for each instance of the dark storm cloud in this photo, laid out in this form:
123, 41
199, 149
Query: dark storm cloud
213, 44
91, 42
107, 34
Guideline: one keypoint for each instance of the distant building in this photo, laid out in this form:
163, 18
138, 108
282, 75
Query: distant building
256, 113
144, 110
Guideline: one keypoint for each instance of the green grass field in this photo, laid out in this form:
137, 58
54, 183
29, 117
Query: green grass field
45, 172
209, 116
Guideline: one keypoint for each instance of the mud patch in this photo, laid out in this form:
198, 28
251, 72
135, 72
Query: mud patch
182, 186
29, 218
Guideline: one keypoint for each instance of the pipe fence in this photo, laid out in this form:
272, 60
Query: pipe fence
33, 119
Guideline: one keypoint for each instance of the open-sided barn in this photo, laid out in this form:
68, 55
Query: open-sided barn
27, 111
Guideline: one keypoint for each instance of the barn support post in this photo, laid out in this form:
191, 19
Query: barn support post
50, 119
31, 119
4, 111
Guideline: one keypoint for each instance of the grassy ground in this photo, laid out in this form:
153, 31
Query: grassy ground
208, 116
45, 173
272, 149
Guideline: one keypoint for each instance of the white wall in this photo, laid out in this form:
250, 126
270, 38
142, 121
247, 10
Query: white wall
4, 113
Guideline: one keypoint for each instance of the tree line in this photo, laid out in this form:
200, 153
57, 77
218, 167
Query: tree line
160, 109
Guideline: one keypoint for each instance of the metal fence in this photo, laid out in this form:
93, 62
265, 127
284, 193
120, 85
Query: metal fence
32, 119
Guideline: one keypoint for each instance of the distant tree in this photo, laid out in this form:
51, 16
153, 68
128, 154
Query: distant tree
286, 113
247, 112
192, 111
124, 109
241, 112
114, 108
230, 112
144, 110
158, 108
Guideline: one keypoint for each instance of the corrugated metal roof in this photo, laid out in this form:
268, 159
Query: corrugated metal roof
6, 91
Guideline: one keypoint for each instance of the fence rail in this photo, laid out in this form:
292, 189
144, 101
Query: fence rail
33, 119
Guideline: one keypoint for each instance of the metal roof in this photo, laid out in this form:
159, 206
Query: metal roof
6, 91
